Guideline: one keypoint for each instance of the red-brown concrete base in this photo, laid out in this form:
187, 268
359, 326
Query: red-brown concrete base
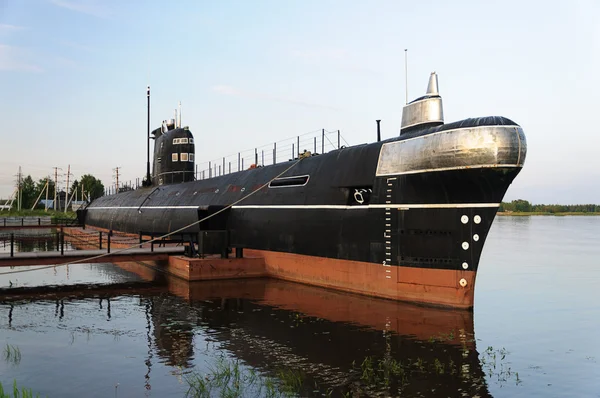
438, 287
197, 269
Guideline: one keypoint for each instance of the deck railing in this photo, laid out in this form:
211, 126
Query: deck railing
317, 142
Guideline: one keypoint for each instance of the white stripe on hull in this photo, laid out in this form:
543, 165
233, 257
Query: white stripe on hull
333, 207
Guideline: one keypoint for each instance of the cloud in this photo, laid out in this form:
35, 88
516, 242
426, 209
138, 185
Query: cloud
89, 7
10, 28
234, 92
335, 57
16, 59
78, 46
331, 54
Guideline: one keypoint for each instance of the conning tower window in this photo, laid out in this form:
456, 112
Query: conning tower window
297, 181
191, 157
174, 157
184, 157
175, 141
191, 140
183, 140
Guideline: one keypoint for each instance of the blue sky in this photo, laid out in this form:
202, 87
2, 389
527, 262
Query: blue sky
73, 77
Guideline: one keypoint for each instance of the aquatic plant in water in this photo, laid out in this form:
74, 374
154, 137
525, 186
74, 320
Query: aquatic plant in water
12, 354
15, 393
227, 378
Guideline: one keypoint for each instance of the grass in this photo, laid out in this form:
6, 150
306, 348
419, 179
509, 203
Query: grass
228, 379
374, 375
15, 393
36, 213
12, 354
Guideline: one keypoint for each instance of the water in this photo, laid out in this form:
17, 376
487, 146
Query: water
136, 332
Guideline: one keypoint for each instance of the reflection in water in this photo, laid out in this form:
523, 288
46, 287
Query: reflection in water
30, 240
337, 342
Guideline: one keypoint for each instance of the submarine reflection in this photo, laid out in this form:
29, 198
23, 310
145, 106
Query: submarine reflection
338, 341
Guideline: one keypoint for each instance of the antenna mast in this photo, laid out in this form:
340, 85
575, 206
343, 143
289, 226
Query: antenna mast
148, 178
406, 72
179, 116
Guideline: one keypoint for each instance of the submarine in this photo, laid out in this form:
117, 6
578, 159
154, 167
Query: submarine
405, 218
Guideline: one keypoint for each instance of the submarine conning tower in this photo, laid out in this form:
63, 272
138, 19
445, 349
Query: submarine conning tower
425, 111
173, 154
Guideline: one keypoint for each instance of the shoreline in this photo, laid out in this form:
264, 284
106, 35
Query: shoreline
542, 213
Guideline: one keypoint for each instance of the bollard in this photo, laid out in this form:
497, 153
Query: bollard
39, 221
152, 242
57, 241
22, 221
239, 252
62, 241
108, 241
12, 245
140, 239
100, 245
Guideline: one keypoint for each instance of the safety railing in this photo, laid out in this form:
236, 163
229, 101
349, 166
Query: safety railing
316, 142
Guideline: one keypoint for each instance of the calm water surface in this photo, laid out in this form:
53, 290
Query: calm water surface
133, 332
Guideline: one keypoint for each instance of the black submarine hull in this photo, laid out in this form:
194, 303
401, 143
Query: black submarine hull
405, 218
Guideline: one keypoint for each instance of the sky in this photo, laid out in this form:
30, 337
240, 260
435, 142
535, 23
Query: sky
73, 77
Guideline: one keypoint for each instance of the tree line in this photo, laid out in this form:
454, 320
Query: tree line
31, 190
521, 205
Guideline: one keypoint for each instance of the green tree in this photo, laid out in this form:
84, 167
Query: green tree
92, 186
75, 187
522, 205
28, 194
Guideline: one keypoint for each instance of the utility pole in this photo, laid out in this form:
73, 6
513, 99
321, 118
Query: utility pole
56, 187
67, 189
47, 189
116, 169
19, 190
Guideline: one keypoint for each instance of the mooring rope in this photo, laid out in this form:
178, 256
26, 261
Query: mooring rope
160, 237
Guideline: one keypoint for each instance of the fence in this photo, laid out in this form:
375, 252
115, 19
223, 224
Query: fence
8, 222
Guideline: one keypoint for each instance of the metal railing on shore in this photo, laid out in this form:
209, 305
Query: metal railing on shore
7, 222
